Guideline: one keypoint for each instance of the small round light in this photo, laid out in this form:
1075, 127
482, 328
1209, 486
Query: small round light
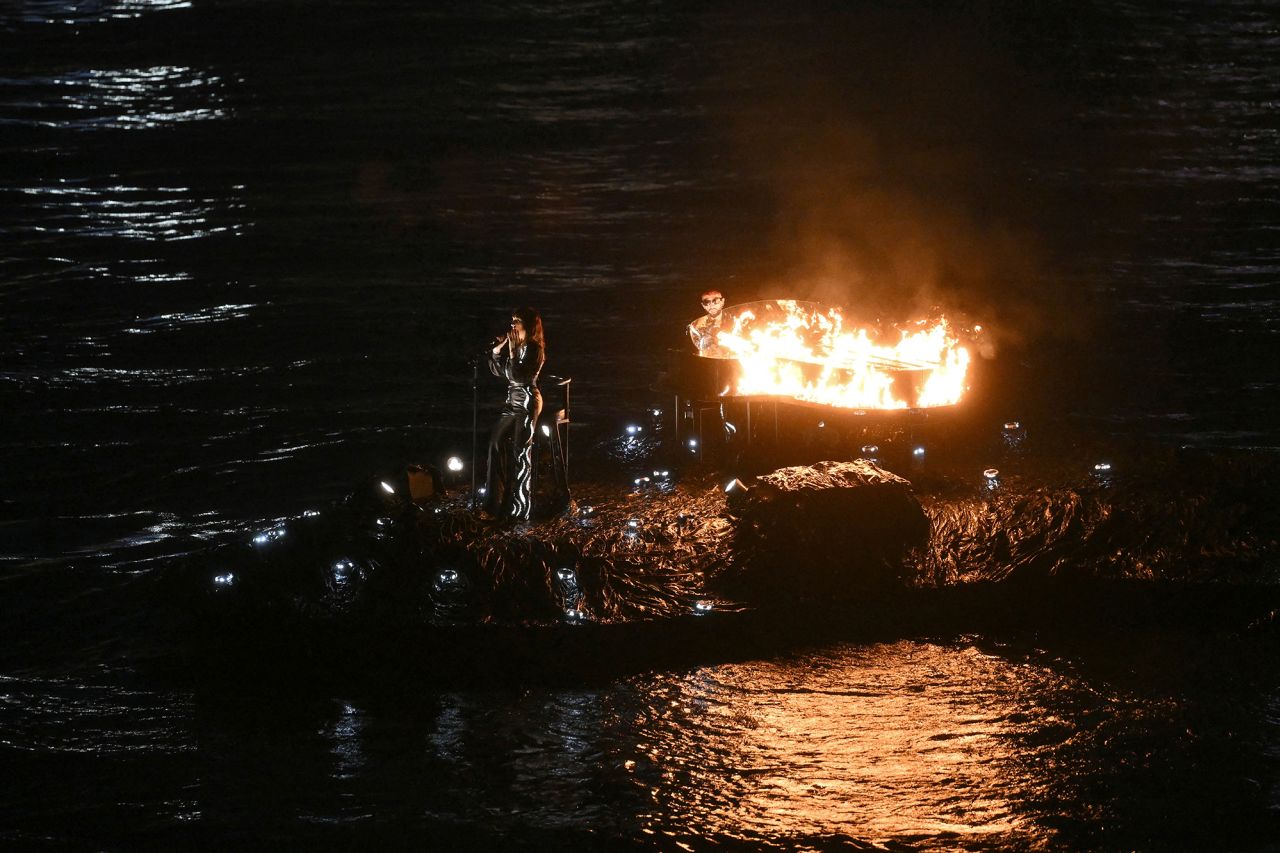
991, 473
454, 463
918, 450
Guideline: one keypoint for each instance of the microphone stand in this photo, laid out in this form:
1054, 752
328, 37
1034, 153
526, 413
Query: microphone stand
475, 425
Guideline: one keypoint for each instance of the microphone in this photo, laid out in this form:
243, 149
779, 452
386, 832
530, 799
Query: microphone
497, 341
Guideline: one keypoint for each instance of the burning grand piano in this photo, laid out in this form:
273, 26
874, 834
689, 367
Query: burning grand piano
805, 355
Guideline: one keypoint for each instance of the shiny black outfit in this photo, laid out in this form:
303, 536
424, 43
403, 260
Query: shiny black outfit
509, 478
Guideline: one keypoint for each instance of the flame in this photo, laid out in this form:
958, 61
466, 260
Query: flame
794, 349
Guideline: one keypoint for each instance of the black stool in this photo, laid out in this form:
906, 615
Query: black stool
552, 432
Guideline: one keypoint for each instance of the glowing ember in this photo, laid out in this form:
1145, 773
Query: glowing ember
801, 350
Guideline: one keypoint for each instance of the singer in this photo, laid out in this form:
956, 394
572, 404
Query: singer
517, 357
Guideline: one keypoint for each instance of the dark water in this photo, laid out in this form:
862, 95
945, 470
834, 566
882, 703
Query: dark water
249, 248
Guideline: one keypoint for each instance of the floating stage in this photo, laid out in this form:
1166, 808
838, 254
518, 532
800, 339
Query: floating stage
653, 565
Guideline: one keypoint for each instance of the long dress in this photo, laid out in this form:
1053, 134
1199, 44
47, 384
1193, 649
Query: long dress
509, 475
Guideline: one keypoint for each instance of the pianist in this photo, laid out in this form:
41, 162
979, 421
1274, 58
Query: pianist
704, 330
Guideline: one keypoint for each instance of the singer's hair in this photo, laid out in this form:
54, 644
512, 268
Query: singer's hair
532, 321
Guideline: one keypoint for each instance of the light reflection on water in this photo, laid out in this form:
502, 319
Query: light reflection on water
918, 744
898, 742
890, 742
129, 212
93, 11
116, 98
907, 745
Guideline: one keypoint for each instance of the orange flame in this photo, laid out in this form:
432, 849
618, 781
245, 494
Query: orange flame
795, 349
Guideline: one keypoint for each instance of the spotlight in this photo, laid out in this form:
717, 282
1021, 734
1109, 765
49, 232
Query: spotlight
918, 451
574, 616
449, 588
386, 487
310, 513
454, 463
268, 535
568, 580
633, 523
822, 424
224, 580
702, 608
693, 444
1102, 468
735, 485
546, 430
991, 477
632, 429
342, 572
657, 413
870, 450
1014, 434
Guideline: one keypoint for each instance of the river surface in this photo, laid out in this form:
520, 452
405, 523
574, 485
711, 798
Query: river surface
249, 251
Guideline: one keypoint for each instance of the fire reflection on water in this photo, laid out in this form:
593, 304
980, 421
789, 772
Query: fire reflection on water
911, 741
935, 746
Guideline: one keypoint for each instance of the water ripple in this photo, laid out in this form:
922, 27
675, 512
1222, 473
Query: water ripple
114, 98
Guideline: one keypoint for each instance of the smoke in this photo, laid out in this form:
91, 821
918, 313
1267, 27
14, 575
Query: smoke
892, 148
